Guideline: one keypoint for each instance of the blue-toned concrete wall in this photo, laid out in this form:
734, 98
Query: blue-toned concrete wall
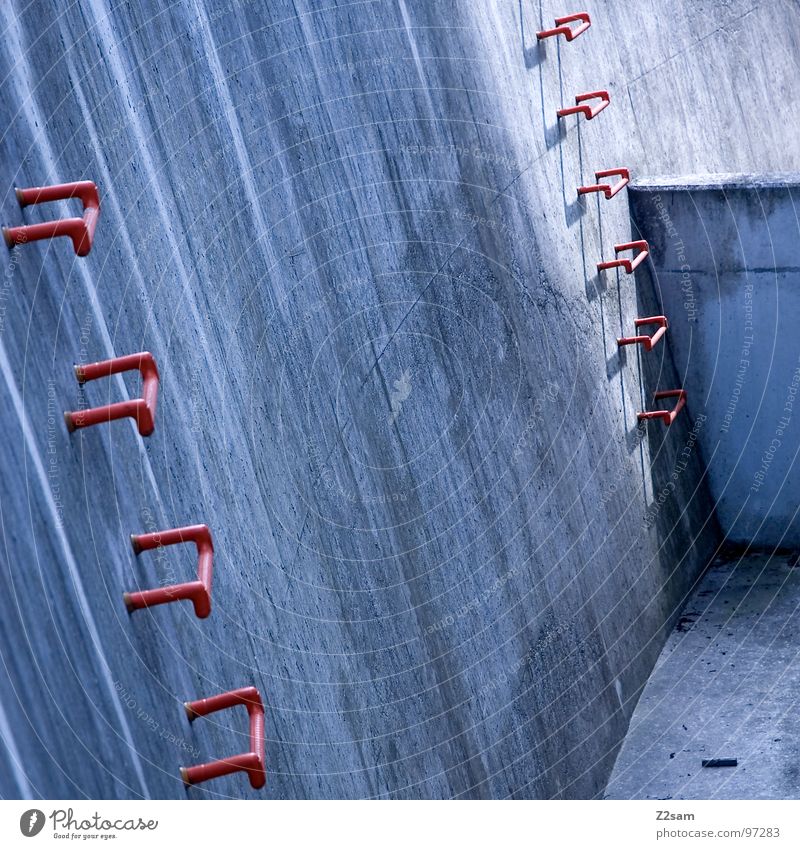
349, 234
727, 267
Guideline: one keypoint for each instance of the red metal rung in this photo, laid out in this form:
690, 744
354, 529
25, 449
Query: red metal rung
648, 342
627, 264
568, 33
143, 409
80, 230
667, 416
251, 762
608, 190
587, 110
199, 591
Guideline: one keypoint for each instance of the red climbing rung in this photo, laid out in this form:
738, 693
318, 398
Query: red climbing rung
648, 342
588, 111
251, 762
627, 264
199, 591
143, 409
567, 32
80, 230
606, 188
667, 416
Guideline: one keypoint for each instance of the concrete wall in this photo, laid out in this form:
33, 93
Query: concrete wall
727, 268
301, 203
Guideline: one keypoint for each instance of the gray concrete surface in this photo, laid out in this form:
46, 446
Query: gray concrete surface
452, 583
725, 686
726, 267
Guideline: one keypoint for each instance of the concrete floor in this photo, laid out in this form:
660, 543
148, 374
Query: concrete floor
727, 685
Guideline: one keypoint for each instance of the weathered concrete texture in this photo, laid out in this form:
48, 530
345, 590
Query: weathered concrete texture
725, 686
350, 236
726, 263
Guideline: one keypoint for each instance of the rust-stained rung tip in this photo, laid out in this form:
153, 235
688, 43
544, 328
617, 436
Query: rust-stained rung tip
185, 777
69, 423
191, 715
126, 597
135, 545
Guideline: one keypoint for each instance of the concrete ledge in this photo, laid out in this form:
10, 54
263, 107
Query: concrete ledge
725, 270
